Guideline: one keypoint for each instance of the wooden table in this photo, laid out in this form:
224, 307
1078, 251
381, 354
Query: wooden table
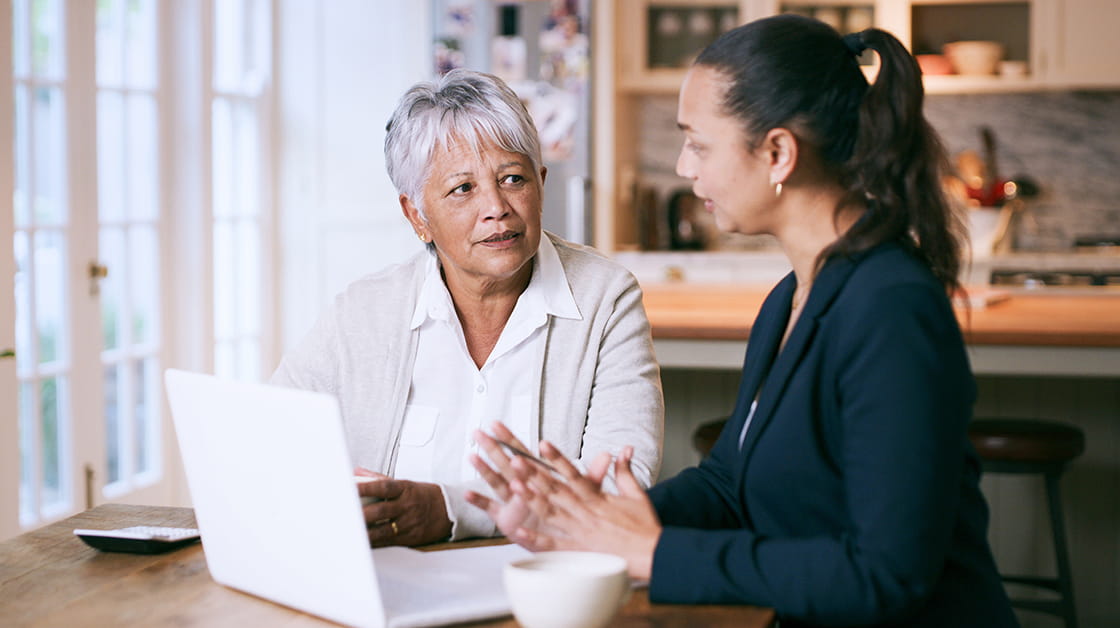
1050, 332
48, 577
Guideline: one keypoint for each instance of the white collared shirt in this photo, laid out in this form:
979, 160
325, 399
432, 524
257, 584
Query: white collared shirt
450, 397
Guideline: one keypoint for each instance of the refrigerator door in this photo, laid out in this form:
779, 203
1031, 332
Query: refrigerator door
541, 49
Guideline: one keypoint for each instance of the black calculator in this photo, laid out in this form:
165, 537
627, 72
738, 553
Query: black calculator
139, 539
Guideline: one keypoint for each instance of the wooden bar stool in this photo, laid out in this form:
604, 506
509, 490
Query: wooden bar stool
1037, 447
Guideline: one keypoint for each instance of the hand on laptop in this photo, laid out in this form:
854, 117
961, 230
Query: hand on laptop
404, 513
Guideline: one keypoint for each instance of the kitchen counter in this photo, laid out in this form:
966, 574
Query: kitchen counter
1073, 332
768, 265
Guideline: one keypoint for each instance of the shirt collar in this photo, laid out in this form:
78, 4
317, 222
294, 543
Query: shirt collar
553, 281
548, 290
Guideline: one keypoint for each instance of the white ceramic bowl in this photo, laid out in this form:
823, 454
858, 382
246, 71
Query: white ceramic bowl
566, 589
974, 57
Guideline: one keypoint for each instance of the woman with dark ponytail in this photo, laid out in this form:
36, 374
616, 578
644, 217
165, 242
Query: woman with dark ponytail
843, 490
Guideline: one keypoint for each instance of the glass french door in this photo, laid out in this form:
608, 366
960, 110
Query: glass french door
239, 97
86, 210
86, 241
9, 427
127, 276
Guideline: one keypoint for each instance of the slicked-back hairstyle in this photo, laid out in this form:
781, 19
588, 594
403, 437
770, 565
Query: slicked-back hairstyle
798, 73
469, 106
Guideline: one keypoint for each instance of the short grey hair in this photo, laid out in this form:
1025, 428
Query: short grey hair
472, 106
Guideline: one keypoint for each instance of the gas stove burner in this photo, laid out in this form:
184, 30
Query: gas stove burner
1097, 241
1040, 279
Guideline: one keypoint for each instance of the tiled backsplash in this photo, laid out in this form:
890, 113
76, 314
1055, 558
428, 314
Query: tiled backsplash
1069, 142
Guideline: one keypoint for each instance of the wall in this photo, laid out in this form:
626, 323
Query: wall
1068, 141
342, 67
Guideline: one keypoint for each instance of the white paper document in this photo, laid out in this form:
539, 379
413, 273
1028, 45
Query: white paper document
443, 587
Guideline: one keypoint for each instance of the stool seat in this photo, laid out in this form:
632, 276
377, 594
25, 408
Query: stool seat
705, 436
1026, 440
1041, 447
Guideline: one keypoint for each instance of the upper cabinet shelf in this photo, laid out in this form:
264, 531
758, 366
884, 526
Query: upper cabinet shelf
658, 39
1051, 44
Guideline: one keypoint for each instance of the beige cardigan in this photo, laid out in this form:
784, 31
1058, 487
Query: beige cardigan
600, 386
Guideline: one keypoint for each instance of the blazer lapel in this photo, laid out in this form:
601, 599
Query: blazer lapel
765, 337
825, 289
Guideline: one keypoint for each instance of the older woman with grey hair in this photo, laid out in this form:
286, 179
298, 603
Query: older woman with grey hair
495, 321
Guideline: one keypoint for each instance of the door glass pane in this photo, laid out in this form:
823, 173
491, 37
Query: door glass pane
24, 316
22, 200
145, 416
113, 305
225, 276
143, 159
224, 158
249, 359
143, 271
20, 48
47, 38
50, 294
110, 156
248, 277
259, 49
225, 359
112, 424
110, 48
28, 454
248, 158
48, 168
229, 44
140, 20
51, 394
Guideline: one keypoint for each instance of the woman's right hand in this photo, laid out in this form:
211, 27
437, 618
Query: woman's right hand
565, 509
509, 511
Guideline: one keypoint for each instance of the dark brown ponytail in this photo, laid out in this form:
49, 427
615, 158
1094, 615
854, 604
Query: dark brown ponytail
897, 166
798, 73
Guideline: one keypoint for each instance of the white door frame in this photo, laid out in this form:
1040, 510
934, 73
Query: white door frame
9, 409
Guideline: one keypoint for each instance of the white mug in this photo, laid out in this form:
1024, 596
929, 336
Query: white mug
567, 589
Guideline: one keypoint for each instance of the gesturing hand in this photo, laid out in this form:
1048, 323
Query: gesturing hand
585, 517
407, 513
566, 509
508, 511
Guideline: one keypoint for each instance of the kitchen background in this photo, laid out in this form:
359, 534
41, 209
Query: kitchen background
1067, 141
325, 82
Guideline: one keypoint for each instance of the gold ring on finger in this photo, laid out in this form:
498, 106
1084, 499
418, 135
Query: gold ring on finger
396, 531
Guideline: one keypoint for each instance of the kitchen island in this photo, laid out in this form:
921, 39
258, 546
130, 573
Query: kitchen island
1050, 332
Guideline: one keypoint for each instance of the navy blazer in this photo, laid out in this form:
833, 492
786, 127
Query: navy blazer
855, 498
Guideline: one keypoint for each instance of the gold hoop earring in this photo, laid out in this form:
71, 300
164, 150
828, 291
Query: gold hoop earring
423, 238
778, 190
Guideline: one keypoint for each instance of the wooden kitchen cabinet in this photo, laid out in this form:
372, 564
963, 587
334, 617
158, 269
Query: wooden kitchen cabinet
1085, 42
1066, 44
657, 39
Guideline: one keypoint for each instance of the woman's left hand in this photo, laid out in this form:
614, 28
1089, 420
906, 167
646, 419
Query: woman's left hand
572, 512
407, 513
587, 518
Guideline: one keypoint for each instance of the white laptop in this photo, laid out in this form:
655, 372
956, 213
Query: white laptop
280, 517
